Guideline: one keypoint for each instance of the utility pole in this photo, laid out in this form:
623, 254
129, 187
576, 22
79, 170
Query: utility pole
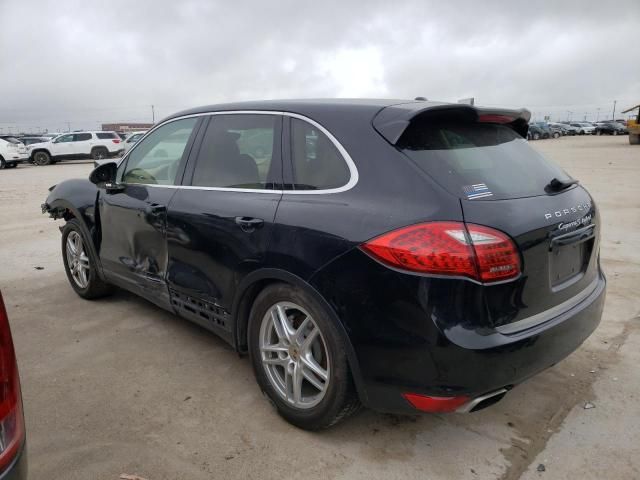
569, 112
598, 114
613, 118
68, 126
153, 114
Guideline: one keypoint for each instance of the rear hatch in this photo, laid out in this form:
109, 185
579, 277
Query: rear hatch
501, 182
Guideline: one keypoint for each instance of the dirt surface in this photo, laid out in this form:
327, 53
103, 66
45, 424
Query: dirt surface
119, 386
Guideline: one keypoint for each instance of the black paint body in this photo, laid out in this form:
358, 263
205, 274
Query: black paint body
182, 249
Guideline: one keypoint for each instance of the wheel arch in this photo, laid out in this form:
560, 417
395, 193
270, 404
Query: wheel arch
78, 199
250, 287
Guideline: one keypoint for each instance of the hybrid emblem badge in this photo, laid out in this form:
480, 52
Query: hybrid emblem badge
583, 207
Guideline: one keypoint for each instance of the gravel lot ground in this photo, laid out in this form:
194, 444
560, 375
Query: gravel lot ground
120, 386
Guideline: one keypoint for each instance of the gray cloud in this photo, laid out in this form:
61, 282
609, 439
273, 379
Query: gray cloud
85, 63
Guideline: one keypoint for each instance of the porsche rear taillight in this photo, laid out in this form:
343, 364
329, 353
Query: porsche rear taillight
11, 419
450, 249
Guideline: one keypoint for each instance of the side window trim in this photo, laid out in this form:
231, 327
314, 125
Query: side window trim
285, 153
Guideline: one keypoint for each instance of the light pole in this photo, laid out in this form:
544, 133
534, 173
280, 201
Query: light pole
613, 117
598, 114
153, 114
569, 112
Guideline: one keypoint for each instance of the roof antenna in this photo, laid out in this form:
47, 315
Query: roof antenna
421, 99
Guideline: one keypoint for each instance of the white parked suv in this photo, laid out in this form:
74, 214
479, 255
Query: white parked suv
96, 145
12, 152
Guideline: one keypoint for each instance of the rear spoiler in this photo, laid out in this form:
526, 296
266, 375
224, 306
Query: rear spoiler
392, 121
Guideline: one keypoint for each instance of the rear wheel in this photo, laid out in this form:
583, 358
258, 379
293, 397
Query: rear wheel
3, 164
299, 358
42, 158
556, 135
79, 263
99, 153
536, 136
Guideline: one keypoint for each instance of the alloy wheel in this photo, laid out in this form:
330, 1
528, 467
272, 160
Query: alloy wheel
294, 355
77, 260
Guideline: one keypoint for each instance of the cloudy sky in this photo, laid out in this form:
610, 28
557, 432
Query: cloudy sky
86, 62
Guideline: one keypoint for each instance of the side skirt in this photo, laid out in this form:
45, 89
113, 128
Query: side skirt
206, 314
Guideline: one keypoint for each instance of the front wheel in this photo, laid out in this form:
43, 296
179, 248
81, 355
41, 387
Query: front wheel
79, 263
41, 158
299, 358
556, 135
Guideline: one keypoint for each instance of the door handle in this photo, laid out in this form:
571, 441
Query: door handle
249, 224
155, 209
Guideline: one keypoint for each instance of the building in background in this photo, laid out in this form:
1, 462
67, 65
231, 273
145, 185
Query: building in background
126, 127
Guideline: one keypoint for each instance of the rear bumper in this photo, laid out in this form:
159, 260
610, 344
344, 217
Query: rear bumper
403, 345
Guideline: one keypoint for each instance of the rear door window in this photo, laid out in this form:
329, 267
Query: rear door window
81, 137
239, 151
478, 160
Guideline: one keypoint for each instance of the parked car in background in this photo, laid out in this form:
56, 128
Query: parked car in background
13, 454
611, 128
566, 129
548, 131
32, 140
132, 140
274, 225
97, 145
584, 128
536, 133
12, 152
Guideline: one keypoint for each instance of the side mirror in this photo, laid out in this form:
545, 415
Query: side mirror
105, 176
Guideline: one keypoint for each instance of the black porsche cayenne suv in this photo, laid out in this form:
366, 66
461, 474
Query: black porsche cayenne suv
405, 255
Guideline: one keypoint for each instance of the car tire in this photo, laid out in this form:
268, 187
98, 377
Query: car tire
80, 264
614, 132
3, 164
536, 136
99, 153
556, 135
42, 158
279, 319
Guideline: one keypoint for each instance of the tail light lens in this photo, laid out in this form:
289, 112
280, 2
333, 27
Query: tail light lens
448, 248
11, 419
115, 141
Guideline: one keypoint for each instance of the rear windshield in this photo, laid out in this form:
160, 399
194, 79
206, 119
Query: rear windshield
478, 161
11, 140
106, 135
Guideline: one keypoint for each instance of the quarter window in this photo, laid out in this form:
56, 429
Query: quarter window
238, 151
156, 159
317, 163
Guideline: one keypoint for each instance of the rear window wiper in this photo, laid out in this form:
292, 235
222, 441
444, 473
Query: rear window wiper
556, 185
